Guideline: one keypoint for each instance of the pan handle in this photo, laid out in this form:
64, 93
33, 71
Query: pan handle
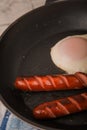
53, 1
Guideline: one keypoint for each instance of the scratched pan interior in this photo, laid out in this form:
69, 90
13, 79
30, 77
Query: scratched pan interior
25, 51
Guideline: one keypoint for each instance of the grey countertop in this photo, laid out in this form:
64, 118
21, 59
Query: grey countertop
10, 10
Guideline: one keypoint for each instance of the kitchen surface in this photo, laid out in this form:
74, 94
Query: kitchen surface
10, 10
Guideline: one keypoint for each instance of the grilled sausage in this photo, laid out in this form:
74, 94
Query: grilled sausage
52, 82
61, 107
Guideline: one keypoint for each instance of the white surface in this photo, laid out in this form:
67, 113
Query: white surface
2, 111
10, 10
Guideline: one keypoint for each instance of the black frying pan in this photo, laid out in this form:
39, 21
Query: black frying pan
25, 51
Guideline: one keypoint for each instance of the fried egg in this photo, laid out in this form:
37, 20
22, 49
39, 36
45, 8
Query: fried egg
70, 54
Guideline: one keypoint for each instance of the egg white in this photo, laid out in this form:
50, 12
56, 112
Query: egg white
72, 66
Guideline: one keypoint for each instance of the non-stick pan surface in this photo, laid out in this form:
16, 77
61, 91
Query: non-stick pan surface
25, 51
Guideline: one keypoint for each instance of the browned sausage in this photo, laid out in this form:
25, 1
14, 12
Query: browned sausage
52, 82
61, 107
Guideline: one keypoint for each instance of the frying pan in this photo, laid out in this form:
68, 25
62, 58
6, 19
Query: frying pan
25, 51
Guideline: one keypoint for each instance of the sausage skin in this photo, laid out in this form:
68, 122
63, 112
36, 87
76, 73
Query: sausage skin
52, 82
61, 107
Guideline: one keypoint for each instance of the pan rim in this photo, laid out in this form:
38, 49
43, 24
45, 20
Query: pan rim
33, 124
